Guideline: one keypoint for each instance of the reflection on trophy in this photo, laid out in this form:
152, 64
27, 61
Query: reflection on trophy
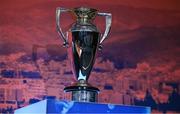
82, 41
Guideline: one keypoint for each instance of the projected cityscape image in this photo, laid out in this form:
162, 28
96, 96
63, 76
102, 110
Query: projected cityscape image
138, 65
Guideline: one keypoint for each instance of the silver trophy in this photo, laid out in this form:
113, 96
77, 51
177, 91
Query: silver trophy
82, 41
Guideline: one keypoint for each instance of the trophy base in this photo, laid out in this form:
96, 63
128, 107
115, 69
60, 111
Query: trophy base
83, 92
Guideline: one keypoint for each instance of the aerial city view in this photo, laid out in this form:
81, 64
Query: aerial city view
139, 64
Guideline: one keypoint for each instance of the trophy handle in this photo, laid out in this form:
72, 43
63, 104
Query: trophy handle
108, 17
58, 27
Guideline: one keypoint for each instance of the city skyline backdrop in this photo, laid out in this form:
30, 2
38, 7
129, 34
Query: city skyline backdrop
143, 43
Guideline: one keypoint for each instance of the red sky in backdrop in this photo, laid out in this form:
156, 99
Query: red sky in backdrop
142, 30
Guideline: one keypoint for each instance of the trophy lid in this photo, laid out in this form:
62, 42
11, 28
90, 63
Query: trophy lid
84, 14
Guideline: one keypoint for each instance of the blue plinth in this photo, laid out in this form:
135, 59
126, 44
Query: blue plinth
68, 107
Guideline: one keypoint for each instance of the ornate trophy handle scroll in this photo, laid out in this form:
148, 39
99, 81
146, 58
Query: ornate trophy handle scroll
108, 17
59, 30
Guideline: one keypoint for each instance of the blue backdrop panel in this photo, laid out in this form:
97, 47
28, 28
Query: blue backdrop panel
67, 107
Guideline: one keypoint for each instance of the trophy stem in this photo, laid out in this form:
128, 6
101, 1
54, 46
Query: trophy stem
83, 92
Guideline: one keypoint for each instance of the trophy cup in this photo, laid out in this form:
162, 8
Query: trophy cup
82, 41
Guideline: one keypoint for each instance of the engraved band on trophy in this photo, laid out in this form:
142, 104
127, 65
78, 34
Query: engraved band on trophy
83, 39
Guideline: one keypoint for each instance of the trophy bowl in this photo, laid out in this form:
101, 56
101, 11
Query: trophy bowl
82, 40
